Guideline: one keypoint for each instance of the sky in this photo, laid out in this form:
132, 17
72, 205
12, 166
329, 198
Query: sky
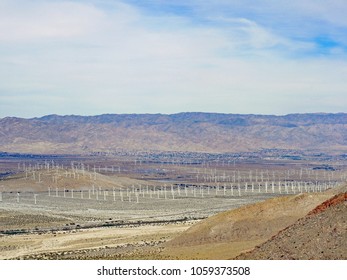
93, 57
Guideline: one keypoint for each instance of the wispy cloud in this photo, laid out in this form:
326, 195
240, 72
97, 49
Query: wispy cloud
93, 57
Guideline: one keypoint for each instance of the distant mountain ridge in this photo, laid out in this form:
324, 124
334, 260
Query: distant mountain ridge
196, 132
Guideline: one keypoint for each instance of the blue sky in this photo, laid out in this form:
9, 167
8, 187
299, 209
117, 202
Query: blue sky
92, 57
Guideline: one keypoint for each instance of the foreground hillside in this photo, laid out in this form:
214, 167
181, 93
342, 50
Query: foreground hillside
230, 233
178, 132
322, 234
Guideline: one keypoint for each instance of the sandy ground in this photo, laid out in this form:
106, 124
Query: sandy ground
215, 251
19, 246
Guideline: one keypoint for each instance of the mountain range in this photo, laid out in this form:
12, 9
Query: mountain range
184, 132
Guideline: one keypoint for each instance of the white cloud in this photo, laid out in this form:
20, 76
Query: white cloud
22, 21
90, 60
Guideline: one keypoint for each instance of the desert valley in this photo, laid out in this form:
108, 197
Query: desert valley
182, 186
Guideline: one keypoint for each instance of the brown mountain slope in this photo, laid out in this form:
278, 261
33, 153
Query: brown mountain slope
322, 234
227, 234
198, 132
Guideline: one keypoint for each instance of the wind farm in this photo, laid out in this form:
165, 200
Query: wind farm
173, 130
143, 205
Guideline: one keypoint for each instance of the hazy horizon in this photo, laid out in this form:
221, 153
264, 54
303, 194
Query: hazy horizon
176, 113
94, 57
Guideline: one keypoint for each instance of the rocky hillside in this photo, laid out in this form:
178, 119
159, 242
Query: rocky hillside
196, 132
322, 234
228, 234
